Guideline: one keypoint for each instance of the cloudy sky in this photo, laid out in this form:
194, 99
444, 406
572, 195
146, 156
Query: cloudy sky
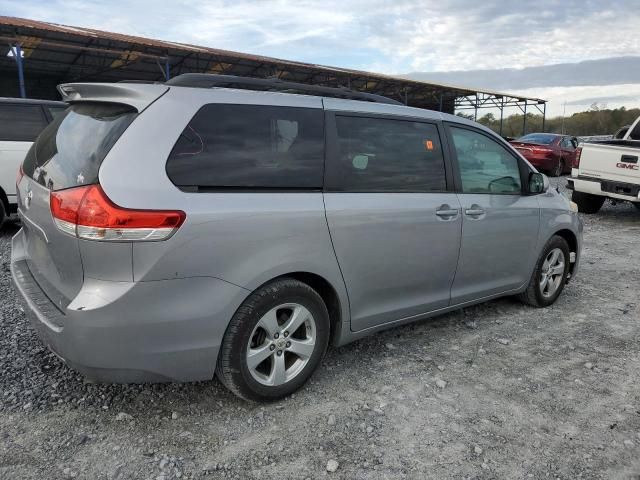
388, 36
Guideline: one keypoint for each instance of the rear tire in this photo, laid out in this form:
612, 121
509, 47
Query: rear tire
637, 205
259, 359
549, 275
587, 203
3, 213
558, 169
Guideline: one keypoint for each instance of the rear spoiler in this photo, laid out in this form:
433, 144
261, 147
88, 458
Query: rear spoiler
137, 95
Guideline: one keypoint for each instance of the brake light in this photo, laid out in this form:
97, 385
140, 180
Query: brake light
87, 212
576, 159
20, 175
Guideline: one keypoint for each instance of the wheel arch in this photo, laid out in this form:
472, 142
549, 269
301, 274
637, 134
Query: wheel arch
570, 237
329, 295
572, 240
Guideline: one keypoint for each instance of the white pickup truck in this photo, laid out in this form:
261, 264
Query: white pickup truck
607, 169
21, 121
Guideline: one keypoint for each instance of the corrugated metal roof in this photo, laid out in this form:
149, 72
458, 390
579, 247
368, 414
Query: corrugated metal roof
140, 46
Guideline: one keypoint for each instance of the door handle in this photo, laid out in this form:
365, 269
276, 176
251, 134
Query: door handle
475, 211
446, 212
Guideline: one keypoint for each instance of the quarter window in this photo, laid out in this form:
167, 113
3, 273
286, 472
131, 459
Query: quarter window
382, 155
485, 165
21, 123
250, 146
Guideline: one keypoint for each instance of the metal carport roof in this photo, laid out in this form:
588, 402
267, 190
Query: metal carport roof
53, 54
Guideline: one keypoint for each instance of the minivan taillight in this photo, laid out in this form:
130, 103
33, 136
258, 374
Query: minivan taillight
87, 212
576, 159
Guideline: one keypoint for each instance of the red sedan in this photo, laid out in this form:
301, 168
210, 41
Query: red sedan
549, 152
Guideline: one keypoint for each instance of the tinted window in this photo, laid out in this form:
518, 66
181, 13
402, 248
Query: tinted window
540, 138
21, 123
250, 146
381, 155
485, 165
71, 149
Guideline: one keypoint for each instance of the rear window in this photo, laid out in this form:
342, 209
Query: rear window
21, 123
539, 138
71, 149
250, 146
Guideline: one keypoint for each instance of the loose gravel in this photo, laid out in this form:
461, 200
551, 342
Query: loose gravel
494, 391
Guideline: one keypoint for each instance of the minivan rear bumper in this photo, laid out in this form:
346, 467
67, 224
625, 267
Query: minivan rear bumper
132, 332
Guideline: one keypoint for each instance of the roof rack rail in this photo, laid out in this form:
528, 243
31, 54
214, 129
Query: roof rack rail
208, 80
137, 81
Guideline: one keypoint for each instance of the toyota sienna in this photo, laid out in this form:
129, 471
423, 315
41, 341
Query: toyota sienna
215, 225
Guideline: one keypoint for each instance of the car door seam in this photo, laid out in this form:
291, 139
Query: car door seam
455, 271
335, 254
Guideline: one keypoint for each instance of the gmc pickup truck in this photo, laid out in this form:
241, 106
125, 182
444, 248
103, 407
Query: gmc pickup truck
607, 169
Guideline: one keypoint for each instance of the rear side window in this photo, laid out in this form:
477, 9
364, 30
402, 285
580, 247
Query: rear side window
21, 123
382, 155
71, 149
250, 146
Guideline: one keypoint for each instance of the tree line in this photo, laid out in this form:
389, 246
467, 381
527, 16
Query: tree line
598, 120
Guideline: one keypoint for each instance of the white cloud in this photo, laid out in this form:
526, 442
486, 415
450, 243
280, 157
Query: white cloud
435, 35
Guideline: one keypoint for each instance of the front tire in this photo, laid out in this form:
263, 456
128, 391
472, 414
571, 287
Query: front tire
550, 274
587, 203
274, 342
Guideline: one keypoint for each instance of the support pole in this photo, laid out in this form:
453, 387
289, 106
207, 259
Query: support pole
524, 123
167, 69
544, 114
501, 114
17, 50
475, 109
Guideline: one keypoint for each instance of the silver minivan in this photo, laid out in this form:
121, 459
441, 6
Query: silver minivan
236, 227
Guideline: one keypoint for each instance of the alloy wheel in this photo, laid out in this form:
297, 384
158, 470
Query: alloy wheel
552, 272
281, 344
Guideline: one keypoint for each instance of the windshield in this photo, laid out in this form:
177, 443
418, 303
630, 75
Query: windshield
70, 150
541, 138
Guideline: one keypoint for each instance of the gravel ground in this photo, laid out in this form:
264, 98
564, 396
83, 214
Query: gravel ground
494, 391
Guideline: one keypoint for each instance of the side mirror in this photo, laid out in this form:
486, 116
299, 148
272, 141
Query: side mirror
538, 183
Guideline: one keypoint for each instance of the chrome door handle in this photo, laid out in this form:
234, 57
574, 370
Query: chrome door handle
446, 212
474, 212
